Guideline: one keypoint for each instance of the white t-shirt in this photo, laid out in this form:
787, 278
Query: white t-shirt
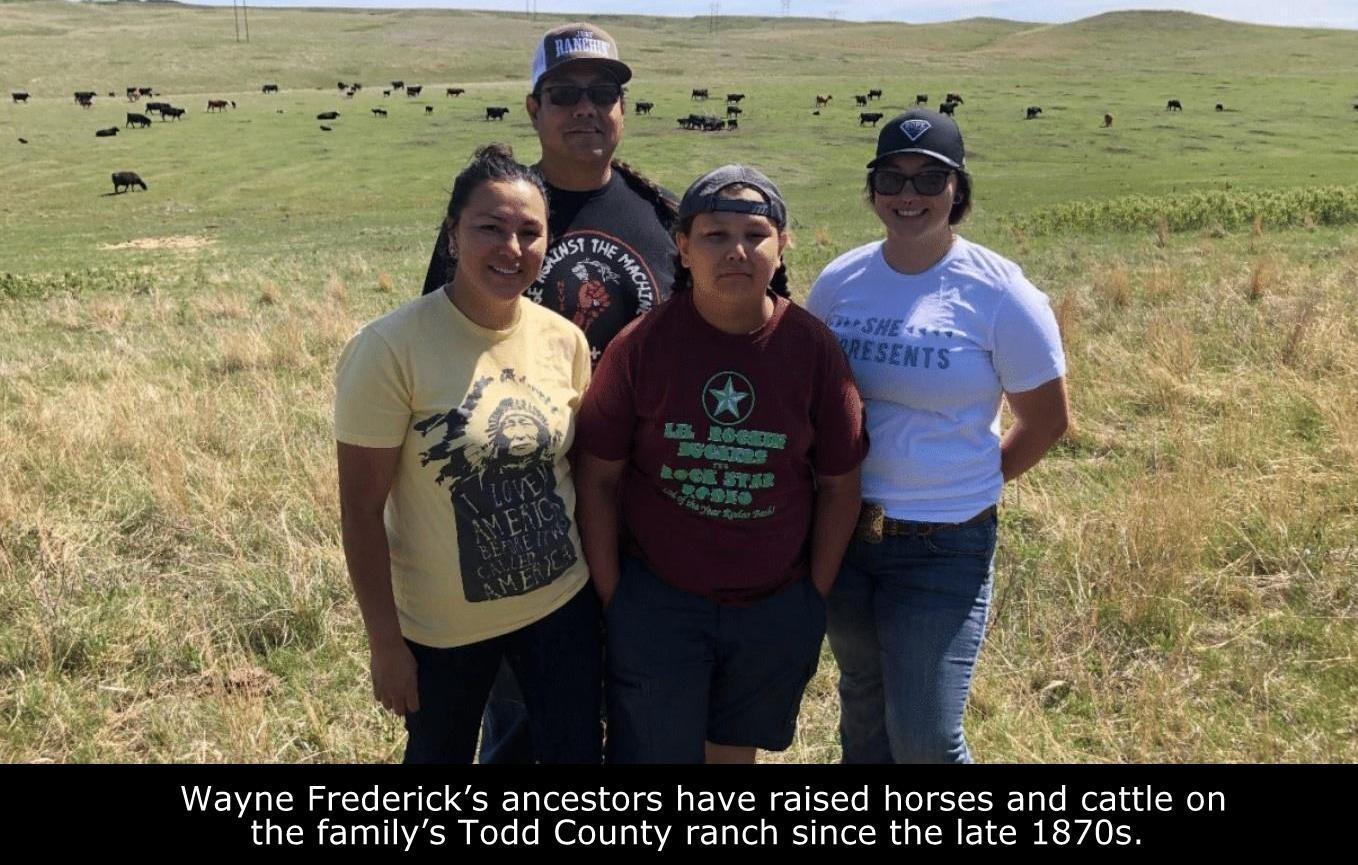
933, 353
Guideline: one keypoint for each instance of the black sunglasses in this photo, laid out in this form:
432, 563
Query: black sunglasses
602, 95
884, 181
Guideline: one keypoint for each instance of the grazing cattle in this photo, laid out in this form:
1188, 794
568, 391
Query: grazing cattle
106, 133
325, 128
19, 96
328, 115
869, 117
874, 94
456, 91
414, 89
398, 85
861, 101
496, 112
947, 108
171, 111
1107, 120
140, 120
823, 100
428, 109
1033, 111
953, 97
127, 180
379, 112
698, 93
1174, 105
1221, 107
921, 98
270, 88
733, 111
735, 97
216, 105
645, 107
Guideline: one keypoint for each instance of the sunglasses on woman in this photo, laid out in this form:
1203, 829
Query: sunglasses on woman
602, 95
887, 182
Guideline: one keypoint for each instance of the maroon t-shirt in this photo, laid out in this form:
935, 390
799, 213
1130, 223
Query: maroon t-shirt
723, 437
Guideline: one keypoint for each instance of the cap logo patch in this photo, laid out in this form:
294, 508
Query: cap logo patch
914, 129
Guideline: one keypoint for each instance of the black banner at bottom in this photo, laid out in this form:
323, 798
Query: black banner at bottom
680, 811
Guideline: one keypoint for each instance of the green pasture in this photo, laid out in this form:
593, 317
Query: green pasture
1175, 582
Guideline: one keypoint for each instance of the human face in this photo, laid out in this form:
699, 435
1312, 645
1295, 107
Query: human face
499, 240
521, 434
909, 216
732, 254
580, 133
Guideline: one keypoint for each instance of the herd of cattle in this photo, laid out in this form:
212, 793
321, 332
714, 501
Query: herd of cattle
125, 180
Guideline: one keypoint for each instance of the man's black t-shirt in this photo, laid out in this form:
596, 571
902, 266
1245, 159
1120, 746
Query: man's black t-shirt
610, 259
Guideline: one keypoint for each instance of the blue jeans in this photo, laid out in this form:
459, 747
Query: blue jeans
558, 663
906, 621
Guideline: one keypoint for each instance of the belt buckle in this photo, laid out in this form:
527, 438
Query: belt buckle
871, 523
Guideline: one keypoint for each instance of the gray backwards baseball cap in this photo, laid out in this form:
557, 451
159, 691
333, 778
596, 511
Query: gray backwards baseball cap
921, 131
704, 195
580, 41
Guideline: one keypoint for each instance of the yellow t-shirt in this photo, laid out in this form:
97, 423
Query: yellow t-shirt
481, 515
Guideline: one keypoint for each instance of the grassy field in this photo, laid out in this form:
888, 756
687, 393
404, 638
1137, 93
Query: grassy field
1175, 583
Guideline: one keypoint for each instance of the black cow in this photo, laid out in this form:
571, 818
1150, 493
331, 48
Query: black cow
735, 97
874, 94
953, 97
270, 88
140, 120
379, 112
1033, 111
860, 100
869, 117
428, 109
456, 91
1174, 105
328, 115
698, 93
1221, 107
733, 111
106, 133
414, 89
645, 107
921, 98
496, 112
947, 108
19, 96
127, 180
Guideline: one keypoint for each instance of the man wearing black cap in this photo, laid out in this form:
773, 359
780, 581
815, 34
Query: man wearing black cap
611, 256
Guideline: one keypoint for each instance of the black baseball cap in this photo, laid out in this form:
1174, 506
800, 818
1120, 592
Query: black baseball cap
704, 195
922, 131
580, 41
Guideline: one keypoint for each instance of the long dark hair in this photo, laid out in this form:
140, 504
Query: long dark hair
683, 279
490, 163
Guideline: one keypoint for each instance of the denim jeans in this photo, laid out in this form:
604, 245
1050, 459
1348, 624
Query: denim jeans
558, 663
906, 621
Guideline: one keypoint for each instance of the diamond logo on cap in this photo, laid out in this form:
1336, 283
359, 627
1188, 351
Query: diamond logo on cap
915, 128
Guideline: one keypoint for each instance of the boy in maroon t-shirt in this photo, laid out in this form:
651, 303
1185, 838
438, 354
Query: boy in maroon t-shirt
727, 425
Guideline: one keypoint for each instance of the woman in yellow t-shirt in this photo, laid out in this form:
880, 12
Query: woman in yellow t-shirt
454, 415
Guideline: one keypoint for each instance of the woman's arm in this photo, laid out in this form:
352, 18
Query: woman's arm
365, 479
1041, 416
596, 512
838, 499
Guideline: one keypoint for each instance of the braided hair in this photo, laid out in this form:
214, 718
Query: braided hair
683, 279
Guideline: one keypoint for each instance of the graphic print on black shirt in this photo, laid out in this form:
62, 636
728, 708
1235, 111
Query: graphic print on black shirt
513, 532
610, 260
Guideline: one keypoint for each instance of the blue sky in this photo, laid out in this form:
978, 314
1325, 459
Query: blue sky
1301, 13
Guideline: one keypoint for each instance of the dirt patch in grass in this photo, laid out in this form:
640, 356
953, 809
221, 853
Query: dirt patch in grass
182, 242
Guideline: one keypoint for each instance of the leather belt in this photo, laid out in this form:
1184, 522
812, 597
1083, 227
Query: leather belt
874, 524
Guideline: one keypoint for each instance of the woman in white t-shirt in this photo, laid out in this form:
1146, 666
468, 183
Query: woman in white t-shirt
454, 415
938, 330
